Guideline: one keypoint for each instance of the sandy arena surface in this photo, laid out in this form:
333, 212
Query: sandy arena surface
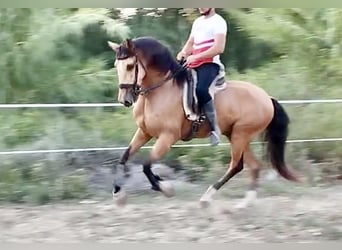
310, 216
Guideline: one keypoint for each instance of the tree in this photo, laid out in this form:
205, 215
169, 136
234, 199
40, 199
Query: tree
313, 37
53, 55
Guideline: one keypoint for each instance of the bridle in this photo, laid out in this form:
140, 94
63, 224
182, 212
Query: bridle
133, 87
137, 89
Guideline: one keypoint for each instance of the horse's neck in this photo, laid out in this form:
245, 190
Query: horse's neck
163, 99
160, 110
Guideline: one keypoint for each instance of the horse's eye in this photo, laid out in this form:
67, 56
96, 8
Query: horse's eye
130, 67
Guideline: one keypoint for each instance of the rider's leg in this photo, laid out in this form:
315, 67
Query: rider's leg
206, 73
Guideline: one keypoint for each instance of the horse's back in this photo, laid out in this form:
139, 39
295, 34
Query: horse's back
247, 88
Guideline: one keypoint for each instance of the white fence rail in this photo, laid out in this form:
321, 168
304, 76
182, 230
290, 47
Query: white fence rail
146, 147
95, 105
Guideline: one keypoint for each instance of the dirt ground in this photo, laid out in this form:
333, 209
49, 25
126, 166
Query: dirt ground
298, 215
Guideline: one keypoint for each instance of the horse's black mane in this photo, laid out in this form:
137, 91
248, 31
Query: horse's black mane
157, 55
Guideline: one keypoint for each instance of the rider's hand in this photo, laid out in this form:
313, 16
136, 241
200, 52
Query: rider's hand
181, 55
191, 59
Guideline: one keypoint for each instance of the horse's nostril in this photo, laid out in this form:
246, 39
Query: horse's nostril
127, 103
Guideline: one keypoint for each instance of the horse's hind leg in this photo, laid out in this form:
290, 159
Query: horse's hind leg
254, 166
239, 141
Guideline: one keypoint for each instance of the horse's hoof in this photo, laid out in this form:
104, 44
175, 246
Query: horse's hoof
206, 198
248, 201
120, 197
204, 203
167, 188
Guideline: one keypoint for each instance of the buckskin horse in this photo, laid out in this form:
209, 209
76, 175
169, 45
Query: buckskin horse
161, 92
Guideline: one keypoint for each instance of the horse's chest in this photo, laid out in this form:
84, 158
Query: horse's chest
150, 122
156, 116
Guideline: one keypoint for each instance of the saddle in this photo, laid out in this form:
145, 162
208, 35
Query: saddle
190, 101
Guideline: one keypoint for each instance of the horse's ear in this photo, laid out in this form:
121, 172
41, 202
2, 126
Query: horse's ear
114, 46
129, 44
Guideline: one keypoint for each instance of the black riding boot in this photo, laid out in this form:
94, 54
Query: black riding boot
209, 110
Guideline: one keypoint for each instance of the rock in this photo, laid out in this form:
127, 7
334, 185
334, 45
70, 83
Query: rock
88, 202
315, 231
251, 227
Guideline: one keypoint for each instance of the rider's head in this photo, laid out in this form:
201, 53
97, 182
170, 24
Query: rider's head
206, 11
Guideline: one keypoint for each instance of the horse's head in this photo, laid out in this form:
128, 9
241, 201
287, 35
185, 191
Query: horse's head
130, 70
144, 65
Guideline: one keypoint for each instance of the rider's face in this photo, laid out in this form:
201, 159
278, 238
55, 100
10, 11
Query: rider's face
203, 10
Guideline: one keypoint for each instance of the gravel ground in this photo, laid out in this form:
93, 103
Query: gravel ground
309, 216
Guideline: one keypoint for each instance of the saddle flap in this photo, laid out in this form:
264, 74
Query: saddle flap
190, 101
189, 96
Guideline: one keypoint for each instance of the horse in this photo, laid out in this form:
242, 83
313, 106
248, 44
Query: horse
155, 84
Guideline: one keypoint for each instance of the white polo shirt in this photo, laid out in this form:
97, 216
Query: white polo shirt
204, 30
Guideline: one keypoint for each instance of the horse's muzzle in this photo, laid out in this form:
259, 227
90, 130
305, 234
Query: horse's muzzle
127, 103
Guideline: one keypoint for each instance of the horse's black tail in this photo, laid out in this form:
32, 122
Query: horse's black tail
276, 136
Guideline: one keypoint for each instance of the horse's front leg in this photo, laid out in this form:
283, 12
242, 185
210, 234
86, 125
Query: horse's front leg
139, 139
161, 147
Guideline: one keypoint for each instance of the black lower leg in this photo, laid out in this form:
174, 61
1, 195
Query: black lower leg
154, 179
231, 172
116, 188
125, 156
123, 161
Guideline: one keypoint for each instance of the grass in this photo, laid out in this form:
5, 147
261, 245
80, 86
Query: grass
41, 184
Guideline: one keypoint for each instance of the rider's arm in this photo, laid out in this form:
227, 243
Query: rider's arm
187, 49
219, 43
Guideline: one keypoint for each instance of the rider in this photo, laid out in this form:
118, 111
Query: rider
206, 42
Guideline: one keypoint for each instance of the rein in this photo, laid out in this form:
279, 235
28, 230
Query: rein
161, 83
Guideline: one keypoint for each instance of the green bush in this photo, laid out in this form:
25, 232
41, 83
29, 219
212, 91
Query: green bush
39, 183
